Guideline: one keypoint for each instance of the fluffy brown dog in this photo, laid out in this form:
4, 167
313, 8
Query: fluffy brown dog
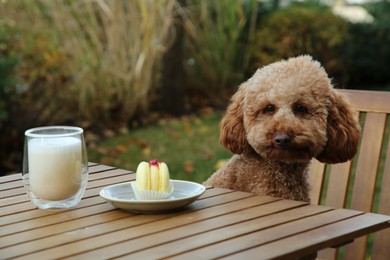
278, 120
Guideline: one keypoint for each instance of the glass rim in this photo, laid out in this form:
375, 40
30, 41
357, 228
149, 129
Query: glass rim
76, 130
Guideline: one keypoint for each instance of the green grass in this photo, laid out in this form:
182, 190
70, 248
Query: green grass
189, 145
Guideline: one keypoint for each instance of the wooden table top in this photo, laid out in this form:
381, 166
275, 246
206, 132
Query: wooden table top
222, 223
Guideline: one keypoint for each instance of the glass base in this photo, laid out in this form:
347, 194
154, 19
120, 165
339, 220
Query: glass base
61, 204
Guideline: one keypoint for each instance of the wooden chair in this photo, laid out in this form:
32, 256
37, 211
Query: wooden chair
362, 184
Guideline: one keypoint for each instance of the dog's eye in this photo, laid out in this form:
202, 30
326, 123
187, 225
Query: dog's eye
300, 109
270, 109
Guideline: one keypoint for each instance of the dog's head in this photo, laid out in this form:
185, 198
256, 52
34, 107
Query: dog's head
289, 111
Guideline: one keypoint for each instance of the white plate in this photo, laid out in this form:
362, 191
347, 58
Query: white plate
122, 196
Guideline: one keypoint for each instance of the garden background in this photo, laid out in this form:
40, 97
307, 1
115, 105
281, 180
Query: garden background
151, 79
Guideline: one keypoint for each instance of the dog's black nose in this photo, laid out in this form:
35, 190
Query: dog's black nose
282, 140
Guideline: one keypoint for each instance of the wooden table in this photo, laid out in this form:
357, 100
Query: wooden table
222, 223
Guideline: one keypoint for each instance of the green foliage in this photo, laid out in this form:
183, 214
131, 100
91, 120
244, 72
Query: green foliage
300, 30
44, 96
217, 48
381, 12
89, 63
33, 90
114, 47
189, 145
8, 62
97, 63
367, 52
111, 51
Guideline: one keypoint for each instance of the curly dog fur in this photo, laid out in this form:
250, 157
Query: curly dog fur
286, 114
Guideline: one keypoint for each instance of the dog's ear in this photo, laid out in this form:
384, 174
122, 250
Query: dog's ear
343, 131
233, 135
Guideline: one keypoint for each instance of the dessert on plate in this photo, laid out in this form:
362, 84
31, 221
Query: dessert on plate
152, 181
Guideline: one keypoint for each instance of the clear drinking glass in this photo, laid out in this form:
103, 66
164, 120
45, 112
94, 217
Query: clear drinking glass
55, 166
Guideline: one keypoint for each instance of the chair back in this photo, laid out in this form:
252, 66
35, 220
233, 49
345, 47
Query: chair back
363, 183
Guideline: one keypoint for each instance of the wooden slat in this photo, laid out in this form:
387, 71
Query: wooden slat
236, 235
316, 179
381, 248
338, 185
12, 192
179, 230
368, 162
16, 208
93, 237
11, 185
336, 197
15, 188
21, 213
11, 177
44, 218
96, 173
31, 214
384, 200
264, 236
65, 227
369, 101
327, 253
90, 164
20, 195
13, 200
366, 175
108, 174
99, 168
31, 237
289, 247
27, 205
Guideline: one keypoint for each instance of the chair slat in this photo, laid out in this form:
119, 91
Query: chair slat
368, 162
336, 197
377, 106
380, 248
338, 185
328, 253
368, 101
365, 176
316, 179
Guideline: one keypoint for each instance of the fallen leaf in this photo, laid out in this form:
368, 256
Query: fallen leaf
108, 133
175, 134
146, 152
220, 164
106, 160
208, 154
188, 166
203, 130
122, 148
102, 150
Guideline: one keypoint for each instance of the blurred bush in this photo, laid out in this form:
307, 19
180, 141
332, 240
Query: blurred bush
31, 80
112, 49
297, 30
367, 50
8, 62
98, 64
89, 63
217, 50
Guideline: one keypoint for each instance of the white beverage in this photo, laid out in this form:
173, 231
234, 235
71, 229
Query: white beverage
55, 167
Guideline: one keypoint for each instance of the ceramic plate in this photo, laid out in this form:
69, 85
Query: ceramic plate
122, 196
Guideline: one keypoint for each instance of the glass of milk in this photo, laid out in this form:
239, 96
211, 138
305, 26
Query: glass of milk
55, 166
